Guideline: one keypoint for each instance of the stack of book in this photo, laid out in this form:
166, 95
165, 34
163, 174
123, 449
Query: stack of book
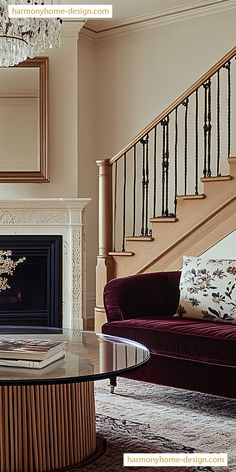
32, 353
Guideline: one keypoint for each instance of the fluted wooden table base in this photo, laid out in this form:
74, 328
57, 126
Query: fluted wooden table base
46, 427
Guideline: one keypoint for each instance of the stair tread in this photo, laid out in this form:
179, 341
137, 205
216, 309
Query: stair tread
121, 253
191, 197
217, 178
164, 219
139, 238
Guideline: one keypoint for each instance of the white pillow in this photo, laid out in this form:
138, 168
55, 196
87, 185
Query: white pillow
208, 289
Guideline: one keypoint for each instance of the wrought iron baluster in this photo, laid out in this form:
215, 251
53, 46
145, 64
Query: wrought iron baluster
167, 166
147, 185
163, 123
196, 142
185, 104
154, 172
176, 159
124, 203
134, 190
209, 130
205, 128
218, 124
229, 110
227, 66
143, 142
115, 208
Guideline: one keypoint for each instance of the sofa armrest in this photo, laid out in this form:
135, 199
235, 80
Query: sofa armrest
142, 295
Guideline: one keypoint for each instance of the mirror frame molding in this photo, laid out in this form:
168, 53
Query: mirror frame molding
42, 174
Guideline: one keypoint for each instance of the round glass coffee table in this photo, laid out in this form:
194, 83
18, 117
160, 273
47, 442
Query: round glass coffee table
47, 419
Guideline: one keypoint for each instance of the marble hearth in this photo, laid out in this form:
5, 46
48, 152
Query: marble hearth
56, 216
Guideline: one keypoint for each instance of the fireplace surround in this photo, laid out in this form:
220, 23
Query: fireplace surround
54, 217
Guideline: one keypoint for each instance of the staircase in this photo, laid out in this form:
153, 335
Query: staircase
171, 191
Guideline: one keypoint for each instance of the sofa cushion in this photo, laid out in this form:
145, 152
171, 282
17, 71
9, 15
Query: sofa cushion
191, 339
208, 289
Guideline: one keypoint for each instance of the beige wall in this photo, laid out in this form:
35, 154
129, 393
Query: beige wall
87, 169
225, 249
141, 73
63, 125
127, 79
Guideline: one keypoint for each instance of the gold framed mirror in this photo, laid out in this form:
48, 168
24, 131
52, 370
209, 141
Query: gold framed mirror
24, 122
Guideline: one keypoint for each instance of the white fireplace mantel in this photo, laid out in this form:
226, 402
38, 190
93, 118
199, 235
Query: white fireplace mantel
55, 216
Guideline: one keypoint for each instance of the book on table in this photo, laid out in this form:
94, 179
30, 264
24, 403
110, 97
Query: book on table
38, 372
30, 364
31, 353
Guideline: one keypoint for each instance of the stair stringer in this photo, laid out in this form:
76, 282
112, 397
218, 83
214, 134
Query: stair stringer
201, 224
209, 233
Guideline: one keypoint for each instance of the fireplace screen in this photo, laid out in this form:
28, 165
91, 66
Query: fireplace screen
32, 293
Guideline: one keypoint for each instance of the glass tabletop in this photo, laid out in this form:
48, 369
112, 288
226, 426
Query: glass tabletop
88, 356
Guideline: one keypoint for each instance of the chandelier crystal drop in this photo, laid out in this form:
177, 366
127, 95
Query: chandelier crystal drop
22, 38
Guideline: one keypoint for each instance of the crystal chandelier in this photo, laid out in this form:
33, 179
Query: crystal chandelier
21, 38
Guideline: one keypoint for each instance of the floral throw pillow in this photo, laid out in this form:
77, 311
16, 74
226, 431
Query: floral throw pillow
208, 289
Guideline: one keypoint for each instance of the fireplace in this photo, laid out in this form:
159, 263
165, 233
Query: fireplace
48, 217
34, 296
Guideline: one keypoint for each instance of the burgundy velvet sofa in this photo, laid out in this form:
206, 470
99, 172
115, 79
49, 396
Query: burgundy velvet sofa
186, 353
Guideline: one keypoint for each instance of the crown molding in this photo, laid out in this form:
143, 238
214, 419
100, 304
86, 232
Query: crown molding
165, 17
88, 38
70, 29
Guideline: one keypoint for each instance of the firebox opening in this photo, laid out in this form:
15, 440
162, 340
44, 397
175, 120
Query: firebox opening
35, 294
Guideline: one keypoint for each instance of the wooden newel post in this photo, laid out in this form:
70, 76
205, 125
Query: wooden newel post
104, 269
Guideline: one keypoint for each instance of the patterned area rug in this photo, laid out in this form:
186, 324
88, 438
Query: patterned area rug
141, 417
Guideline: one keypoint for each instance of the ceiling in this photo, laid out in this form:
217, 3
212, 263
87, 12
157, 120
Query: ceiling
131, 11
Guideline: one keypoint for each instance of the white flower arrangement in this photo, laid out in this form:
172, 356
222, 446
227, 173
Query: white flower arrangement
7, 267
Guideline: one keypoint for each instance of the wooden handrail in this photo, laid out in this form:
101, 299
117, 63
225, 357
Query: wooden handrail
176, 103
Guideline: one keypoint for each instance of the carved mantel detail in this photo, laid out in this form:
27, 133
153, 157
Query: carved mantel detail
55, 216
36, 217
